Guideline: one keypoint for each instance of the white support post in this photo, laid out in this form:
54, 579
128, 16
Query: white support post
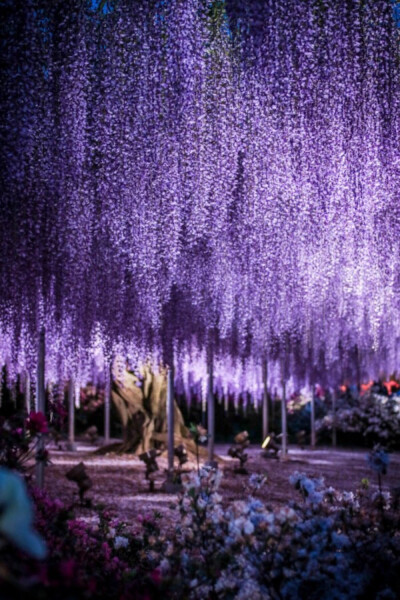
203, 408
27, 392
13, 394
71, 415
334, 441
40, 401
210, 412
313, 434
265, 411
284, 417
36, 403
170, 419
107, 407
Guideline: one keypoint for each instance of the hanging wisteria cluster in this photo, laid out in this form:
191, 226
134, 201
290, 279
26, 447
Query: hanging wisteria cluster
182, 175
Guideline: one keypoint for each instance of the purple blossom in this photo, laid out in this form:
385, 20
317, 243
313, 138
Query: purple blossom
184, 175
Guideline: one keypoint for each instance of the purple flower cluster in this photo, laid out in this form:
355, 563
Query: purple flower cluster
190, 174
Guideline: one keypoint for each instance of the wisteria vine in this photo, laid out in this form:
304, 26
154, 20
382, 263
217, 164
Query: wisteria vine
201, 176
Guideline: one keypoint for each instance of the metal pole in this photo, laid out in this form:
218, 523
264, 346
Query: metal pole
358, 371
27, 391
13, 394
107, 407
265, 412
313, 434
170, 418
40, 400
334, 419
71, 415
210, 412
283, 415
203, 409
36, 399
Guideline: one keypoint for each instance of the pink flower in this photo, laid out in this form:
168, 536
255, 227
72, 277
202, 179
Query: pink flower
156, 576
67, 568
115, 563
106, 550
37, 423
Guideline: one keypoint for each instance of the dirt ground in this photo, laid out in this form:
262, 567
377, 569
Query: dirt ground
119, 484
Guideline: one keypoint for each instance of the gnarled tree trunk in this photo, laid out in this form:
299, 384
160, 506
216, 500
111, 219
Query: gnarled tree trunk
141, 402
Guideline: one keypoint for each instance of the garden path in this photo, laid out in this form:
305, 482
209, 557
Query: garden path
119, 484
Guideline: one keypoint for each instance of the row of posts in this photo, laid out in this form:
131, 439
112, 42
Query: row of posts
40, 395
265, 414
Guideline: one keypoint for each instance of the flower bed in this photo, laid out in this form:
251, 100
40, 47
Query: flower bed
328, 544
371, 418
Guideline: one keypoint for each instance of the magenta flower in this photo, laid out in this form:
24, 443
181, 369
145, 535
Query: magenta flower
67, 568
37, 423
156, 576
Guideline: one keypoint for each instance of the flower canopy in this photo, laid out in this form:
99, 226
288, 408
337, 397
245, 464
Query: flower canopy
187, 174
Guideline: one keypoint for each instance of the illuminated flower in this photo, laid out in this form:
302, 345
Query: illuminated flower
37, 423
378, 460
121, 542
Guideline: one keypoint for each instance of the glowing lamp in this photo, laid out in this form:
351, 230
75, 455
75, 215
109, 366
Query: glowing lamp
266, 442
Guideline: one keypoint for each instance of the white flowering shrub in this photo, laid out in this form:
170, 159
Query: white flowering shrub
376, 418
325, 546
